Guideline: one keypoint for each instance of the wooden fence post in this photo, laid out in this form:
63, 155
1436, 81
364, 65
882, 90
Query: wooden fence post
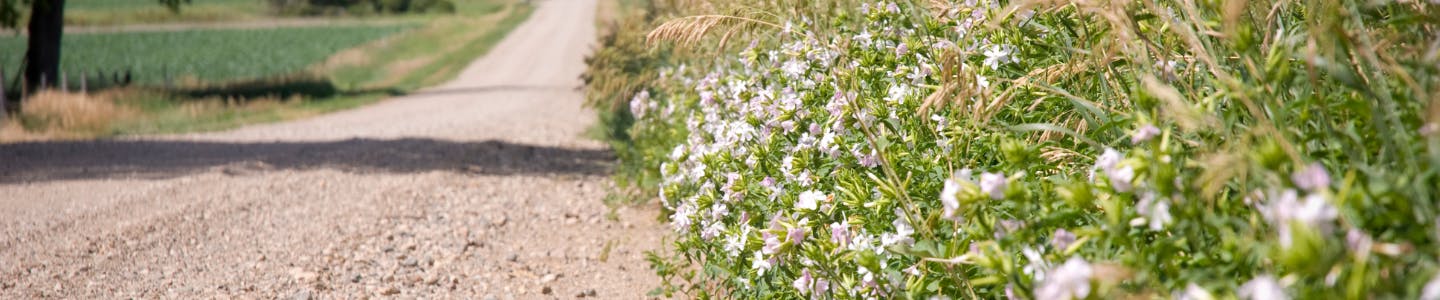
3, 112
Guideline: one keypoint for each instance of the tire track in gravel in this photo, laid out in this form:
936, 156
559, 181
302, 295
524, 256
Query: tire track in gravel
479, 188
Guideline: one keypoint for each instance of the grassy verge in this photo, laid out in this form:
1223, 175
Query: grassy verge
426, 56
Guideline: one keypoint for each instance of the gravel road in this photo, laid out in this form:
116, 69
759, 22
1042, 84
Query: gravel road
480, 188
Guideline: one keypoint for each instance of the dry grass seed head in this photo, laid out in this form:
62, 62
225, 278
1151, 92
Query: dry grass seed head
688, 31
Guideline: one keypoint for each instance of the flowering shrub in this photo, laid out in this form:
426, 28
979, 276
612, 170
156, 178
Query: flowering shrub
1054, 150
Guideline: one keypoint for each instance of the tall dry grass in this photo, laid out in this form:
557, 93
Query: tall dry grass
59, 115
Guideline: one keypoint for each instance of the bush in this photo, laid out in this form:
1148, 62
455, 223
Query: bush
1052, 150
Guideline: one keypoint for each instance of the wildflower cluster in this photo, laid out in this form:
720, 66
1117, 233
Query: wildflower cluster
1057, 150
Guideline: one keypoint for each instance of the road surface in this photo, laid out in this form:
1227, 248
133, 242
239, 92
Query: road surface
479, 188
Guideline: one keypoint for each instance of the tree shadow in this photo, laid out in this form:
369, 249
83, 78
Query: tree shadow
310, 87
157, 159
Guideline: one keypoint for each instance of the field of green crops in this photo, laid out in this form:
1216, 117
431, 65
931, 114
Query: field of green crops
206, 55
122, 12
87, 5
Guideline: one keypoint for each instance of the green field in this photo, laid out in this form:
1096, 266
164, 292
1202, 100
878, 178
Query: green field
88, 5
118, 12
206, 55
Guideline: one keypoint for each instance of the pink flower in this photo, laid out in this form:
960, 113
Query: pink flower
993, 184
797, 234
1264, 287
840, 234
803, 283
1312, 177
1144, 133
1070, 281
1062, 239
772, 243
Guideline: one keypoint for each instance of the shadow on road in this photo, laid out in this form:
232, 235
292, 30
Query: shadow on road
114, 159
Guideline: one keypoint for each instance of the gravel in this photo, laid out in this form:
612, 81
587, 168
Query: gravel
481, 188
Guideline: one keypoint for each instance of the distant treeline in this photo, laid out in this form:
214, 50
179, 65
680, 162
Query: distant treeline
360, 7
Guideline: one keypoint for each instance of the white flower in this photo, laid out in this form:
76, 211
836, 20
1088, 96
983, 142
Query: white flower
999, 54
1316, 211
1120, 178
683, 216
639, 103
736, 243
1062, 239
863, 38
1312, 177
897, 93
804, 178
901, 49
1070, 281
794, 68
949, 201
1431, 291
1037, 265
1285, 209
903, 230
1107, 160
838, 102
809, 200
1264, 287
677, 153
759, 263
1144, 133
993, 184
1195, 292
1155, 209
864, 242
711, 230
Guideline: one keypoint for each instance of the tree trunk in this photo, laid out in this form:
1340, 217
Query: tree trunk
42, 58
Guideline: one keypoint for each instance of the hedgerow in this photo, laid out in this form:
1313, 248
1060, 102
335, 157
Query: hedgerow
1048, 149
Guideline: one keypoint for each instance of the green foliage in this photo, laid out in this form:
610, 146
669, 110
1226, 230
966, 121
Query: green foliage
1054, 150
621, 69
